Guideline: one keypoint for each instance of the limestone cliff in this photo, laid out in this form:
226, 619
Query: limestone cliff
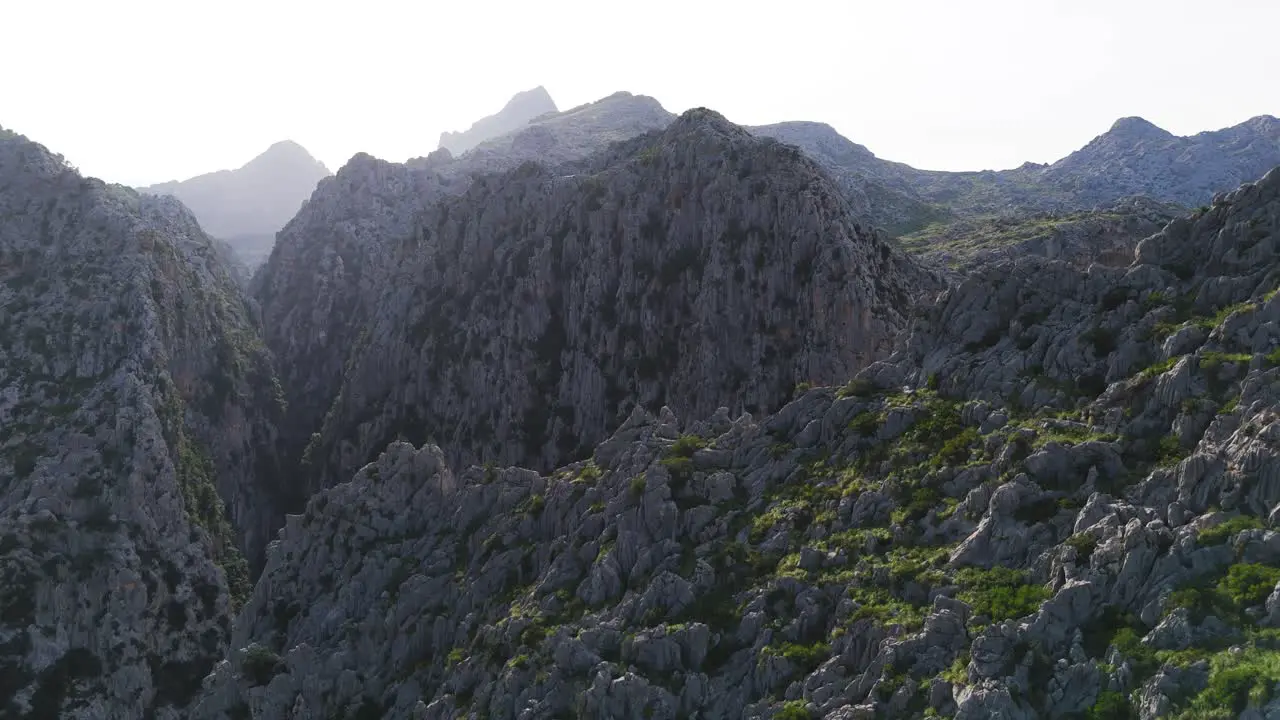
523, 320
134, 398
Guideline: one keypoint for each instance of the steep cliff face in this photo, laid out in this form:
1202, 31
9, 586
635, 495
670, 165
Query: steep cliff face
1054, 499
695, 267
134, 397
323, 284
517, 113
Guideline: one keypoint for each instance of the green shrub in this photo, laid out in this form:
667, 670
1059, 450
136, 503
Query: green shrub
865, 423
638, 486
857, 387
1247, 585
1224, 531
590, 473
1084, 543
1236, 681
687, 445
805, 657
261, 664
1111, 705
793, 710
536, 504
955, 451
958, 673
1000, 593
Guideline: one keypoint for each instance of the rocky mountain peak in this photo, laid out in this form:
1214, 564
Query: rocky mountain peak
1136, 128
702, 120
519, 110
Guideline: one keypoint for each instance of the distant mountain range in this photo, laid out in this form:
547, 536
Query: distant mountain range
1134, 157
247, 206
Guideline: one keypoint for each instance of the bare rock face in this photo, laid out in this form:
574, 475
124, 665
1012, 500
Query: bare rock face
136, 425
247, 206
324, 282
525, 318
1062, 475
517, 113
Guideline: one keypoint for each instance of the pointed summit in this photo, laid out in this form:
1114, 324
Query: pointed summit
247, 206
519, 110
286, 153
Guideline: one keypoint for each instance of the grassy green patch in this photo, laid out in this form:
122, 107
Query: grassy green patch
1000, 593
1236, 682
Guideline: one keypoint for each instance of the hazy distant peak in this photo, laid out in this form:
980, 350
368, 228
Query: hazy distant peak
254, 200
519, 110
286, 153
1137, 128
537, 98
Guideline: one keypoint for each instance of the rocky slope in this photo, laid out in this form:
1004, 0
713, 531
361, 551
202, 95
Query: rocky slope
885, 192
1107, 236
517, 113
1134, 157
525, 318
247, 206
1053, 500
134, 398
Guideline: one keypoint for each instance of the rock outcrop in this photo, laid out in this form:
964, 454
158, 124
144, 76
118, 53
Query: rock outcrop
1055, 498
137, 461
517, 113
247, 206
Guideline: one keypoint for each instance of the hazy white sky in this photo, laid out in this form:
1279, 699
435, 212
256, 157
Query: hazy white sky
142, 91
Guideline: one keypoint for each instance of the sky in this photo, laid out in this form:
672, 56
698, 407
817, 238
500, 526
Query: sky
145, 91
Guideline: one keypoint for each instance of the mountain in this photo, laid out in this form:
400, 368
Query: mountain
322, 287
530, 314
1133, 158
517, 113
247, 206
137, 455
1054, 499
